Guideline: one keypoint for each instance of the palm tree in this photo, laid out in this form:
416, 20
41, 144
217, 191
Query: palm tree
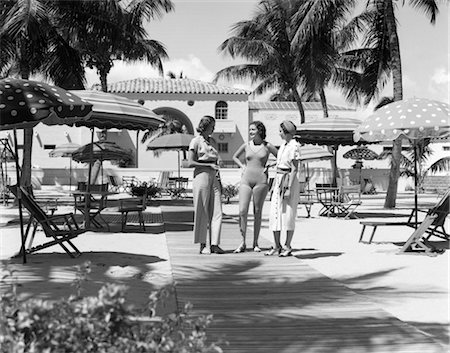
267, 42
379, 60
107, 32
32, 43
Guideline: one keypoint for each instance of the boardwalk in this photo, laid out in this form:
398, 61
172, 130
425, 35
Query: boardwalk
271, 304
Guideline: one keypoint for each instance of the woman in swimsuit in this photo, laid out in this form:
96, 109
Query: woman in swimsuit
254, 180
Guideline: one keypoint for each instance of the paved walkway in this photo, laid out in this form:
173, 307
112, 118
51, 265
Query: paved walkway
271, 304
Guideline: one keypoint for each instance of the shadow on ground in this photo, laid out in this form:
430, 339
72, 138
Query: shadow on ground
51, 276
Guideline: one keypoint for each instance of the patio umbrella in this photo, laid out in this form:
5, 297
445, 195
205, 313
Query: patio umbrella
112, 111
329, 132
361, 153
177, 141
309, 153
413, 119
24, 103
101, 151
65, 150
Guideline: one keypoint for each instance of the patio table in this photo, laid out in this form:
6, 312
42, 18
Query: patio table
92, 209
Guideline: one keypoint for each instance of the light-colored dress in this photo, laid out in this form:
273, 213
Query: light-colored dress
206, 191
283, 211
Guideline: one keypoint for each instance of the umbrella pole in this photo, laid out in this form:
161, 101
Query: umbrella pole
179, 171
19, 199
70, 174
415, 183
87, 203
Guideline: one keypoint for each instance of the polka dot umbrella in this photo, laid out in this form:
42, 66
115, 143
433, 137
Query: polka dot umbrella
25, 103
413, 119
361, 153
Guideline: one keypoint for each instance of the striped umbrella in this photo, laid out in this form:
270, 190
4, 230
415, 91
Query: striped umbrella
65, 150
314, 153
330, 132
113, 111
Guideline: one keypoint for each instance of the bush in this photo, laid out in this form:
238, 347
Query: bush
229, 191
104, 323
152, 190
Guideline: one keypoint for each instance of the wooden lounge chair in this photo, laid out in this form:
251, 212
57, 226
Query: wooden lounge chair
62, 227
114, 184
435, 228
128, 182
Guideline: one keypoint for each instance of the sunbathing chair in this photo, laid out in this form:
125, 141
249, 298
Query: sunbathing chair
436, 228
128, 182
62, 227
114, 185
348, 200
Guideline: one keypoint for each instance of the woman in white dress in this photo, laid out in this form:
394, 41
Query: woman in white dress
286, 191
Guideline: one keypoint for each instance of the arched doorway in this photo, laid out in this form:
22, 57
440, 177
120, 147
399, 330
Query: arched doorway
175, 114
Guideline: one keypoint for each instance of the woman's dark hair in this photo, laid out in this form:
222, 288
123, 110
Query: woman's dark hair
204, 123
261, 128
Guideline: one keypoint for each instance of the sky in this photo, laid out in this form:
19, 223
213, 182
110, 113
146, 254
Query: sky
193, 32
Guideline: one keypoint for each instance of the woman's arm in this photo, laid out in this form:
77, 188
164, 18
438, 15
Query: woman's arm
236, 155
193, 161
272, 149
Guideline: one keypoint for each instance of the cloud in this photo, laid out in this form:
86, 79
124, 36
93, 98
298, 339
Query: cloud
439, 85
192, 67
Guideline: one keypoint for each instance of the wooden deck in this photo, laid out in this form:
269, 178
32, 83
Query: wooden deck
272, 304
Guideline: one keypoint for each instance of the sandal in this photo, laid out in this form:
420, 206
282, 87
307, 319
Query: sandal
273, 251
240, 248
286, 252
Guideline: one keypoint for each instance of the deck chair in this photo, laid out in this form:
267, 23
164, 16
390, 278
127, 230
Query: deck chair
114, 184
128, 182
348, 200
436, 228
130, 205
163, 182
432, 225
62, 227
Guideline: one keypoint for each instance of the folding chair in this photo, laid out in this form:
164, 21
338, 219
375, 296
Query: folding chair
436, 228
114, 185
348, 200
128, 182
163, 182
326, 195
62, 227
432, 225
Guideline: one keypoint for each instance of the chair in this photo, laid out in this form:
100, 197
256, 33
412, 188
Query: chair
96, 205
128, 182
136, 204
114, 184
348, 200
62, 227
435, 228
326, 195
163, 182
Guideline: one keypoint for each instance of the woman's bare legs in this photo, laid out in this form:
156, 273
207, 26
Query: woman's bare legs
259, 196
245, 195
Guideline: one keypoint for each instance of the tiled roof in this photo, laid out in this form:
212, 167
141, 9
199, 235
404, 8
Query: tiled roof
162, 85
293, 106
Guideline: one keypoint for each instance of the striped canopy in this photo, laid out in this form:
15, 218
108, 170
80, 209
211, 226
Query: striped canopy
328, 131
102, 151
413, 118
113, 111
314, 153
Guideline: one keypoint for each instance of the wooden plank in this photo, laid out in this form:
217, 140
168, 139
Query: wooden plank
271, 304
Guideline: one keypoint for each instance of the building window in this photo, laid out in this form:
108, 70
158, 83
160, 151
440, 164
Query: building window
49, 147
389, 149
221, 110
446, 148
223, 147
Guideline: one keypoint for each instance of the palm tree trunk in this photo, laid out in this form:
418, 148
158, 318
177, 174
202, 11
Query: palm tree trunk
103, 80
323, 100
298, 100
391, 195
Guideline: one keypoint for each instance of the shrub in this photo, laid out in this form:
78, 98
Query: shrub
152, 190
104, 323
229, 191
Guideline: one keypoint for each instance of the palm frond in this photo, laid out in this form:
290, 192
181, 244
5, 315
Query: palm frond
441, 165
